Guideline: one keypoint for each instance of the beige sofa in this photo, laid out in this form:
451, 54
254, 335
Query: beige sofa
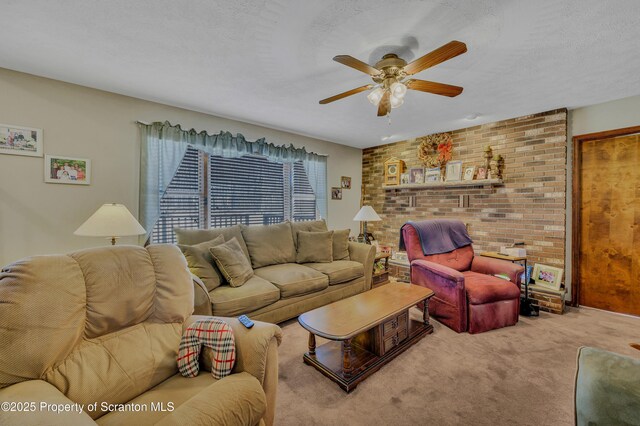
103, 326
280, 288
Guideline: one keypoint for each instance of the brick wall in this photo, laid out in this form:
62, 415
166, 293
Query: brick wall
529, 206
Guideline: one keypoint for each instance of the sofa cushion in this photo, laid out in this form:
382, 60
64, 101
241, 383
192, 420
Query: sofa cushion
254, 294
314, 247
269, 244
341, 244
232, 262
339, 271
196, 236
482, 288
308, 226
293, 279
235, 400
202, 264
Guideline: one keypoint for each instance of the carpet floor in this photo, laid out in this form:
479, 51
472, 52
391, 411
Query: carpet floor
521, 375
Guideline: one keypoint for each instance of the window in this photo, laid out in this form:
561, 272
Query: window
214, 192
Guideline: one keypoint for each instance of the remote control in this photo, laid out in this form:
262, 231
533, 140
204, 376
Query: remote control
244, 320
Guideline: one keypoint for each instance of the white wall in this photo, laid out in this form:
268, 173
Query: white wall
39, 218
595, 118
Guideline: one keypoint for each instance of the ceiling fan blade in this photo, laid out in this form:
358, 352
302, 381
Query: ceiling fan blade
345, 94
441, 54
352, 62
433, 87
385, 104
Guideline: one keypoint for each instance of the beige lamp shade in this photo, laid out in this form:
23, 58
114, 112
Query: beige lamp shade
112, 221
367, 213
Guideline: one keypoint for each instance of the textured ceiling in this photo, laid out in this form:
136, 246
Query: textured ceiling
269, 62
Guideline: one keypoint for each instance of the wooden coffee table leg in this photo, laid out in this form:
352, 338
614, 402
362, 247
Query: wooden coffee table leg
312, 344
346, 358
425, 311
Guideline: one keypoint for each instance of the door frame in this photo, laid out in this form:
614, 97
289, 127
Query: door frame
577, 199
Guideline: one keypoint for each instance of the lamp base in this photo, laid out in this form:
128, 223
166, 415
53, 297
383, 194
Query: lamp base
366, 238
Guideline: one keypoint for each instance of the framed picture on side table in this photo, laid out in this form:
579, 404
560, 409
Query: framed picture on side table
547, 276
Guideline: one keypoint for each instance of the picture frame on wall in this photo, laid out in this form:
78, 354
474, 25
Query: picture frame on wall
345, 182
336, 193
67, 170
20, 140
432, 175
547, 276
469, 173
453, 171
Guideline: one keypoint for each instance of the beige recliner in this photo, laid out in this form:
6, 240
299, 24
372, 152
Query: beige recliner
92, 337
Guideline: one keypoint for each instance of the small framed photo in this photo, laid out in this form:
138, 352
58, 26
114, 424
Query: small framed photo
336, 193
454, 171
416, 175
469, 173
547, 276
345, 182
18, 140
482, 173
432, 175
70, 170
404, 179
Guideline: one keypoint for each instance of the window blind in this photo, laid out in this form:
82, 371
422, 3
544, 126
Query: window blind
214, 192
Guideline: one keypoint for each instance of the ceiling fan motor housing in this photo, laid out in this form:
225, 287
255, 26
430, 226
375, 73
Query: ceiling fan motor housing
391, 67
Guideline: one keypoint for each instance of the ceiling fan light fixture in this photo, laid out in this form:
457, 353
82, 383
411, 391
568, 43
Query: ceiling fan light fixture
398, 90
375, 96
395, 101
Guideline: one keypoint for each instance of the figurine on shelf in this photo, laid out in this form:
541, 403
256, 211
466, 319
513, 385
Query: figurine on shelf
499, 159
488, 155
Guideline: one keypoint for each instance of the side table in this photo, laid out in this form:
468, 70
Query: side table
526, 307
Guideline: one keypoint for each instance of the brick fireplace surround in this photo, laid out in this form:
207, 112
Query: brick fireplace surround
529, 206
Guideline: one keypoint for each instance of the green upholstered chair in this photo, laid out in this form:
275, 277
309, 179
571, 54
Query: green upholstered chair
607, 390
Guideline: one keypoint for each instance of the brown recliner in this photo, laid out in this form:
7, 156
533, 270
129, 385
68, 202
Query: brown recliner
468, 297
102, 327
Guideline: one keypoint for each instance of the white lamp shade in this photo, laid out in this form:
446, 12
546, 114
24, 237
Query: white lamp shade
367, 213
375, 96
110, 220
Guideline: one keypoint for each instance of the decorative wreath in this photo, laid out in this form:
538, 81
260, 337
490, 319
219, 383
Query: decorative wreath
433, 147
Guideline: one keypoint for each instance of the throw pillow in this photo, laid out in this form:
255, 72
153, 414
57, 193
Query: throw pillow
341, 244
232, 262
307, 226
201, 263
211, 333
315, 247
269, 244
197, 236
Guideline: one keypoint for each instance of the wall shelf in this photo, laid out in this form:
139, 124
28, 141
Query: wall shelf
455, 184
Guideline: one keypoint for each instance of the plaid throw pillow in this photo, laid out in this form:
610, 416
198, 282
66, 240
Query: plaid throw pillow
212, 333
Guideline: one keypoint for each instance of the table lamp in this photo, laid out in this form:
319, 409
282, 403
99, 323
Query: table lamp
112, 221
365, 214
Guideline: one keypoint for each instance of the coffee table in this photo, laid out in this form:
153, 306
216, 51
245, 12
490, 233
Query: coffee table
365, 331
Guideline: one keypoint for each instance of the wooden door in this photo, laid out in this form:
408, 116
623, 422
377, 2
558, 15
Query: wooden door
609, 258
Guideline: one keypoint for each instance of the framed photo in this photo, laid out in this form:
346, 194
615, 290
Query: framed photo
345, 182
454, 171
547, 276
416, 175
432, 175
336, 193
469, 172
482, 173
404, 179
18, 140
70, 170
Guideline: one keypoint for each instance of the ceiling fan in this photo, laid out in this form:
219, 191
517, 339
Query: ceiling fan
390, 77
